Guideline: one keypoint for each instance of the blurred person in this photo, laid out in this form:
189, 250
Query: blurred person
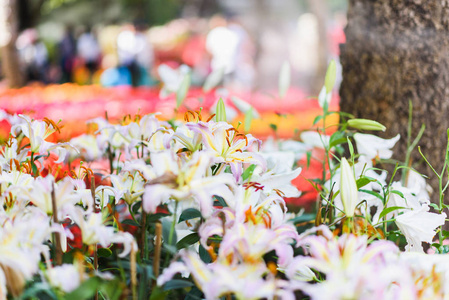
33, 55
135, 53
230, 48
67, 54
89, 51
113, 74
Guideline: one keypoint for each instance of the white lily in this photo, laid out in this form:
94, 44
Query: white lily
94, 231
40, 194
374, 147
419, 226
183, 181
279, 174
228, 146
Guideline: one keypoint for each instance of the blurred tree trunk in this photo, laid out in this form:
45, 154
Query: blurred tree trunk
320, 9
397, 51
9, 31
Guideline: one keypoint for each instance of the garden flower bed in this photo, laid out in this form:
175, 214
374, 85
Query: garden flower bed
156, 207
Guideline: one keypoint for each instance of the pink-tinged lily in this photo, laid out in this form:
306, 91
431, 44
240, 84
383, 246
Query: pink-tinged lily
353, 268
250, 238
243, 280
278, 175
186, 138
181, 181
228, 146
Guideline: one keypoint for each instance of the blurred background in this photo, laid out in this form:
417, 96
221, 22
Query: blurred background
76, 60
125, 42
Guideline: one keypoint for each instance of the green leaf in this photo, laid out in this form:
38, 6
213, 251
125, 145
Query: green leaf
220, 111
157, 293
434, 206
443, 249
309, 156
213, 79
445, 234
274, 127
372, 193
248, 172
188, 240
166, 229
351, 148
86, 290
204, 255
188, 214
36, 290
111, 289
156, 217
331, 75
398, 193
303, 218
131, 222
248, 119
136, 206
194, 294
182, 91
362, 181
170, 248
336, 139
388, 210
177, 284
104, 252
219, 201
284, 79
317, 119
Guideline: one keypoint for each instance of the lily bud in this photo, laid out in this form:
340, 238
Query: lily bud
365, 124
348, 188
220, 111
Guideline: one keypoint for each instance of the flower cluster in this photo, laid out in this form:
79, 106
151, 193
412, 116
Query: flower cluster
197, 207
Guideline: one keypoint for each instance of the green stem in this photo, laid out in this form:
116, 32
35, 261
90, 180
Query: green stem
172, 229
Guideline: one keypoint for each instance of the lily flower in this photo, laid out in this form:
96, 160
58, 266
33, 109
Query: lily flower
374, 147
128, 186
228, 146
279, 174
419, 226
37, 131
40, 194
244, 280
94, 231
183, 181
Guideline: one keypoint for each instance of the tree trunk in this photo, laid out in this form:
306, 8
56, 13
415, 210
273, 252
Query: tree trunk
397, 51
9, 31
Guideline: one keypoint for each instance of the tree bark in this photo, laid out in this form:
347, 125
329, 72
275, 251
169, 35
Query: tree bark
397, 51
9, 32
